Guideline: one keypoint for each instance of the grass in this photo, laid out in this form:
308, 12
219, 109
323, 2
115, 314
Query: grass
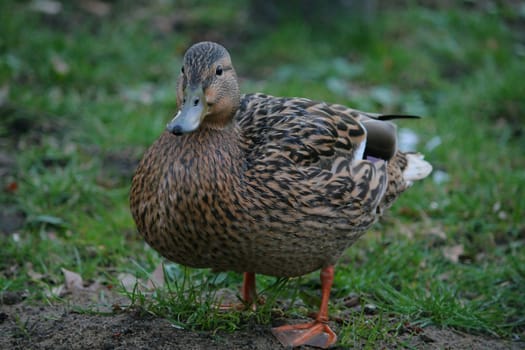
191, 299
84, 96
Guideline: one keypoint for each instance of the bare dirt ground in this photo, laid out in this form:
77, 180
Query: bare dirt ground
25, 325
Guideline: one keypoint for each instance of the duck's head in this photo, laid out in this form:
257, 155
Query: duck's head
207, 90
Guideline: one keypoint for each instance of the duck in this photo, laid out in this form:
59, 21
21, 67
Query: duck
258, 184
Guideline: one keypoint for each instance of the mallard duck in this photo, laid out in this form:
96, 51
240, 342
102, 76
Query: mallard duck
265, 185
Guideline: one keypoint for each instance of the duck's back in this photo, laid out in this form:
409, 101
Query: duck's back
310, 154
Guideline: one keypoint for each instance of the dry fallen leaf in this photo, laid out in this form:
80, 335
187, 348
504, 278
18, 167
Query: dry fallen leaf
128, 281
59, 65
35, 276
156, 279
97, 8
4, 94
48, 7
73, 283
72, 280
453, 253
438, 232
445, 276
57, 291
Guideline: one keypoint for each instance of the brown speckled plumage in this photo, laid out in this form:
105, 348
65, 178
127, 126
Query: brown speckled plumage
278, 187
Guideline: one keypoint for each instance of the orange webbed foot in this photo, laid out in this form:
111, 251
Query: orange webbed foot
315, 333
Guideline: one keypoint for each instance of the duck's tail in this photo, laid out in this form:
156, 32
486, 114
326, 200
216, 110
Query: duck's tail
403, 169
417, 168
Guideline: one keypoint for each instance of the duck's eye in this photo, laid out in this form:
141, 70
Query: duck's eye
218, 70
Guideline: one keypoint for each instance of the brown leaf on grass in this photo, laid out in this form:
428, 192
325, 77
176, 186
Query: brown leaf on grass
438, 232
72, 280
57, 291
60, 66
4, 94
128, 281
352, 300
155, 280
11, 187
453, 253
49, 7
410, 328
97, 8
445, 276
35, 276
73, 283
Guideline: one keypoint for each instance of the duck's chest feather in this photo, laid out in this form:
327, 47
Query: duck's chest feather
200, 174
186, 189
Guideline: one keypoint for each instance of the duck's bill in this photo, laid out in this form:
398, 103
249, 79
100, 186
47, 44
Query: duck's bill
191, 115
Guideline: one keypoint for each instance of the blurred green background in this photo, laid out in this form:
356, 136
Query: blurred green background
86, 86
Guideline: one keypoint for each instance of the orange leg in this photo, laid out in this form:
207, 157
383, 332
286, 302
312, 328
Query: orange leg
248, 295
249, 292
316, 333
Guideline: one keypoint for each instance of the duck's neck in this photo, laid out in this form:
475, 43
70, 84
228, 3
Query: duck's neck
215, 139
210, 156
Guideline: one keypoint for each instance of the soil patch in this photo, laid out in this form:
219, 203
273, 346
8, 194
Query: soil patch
63, 326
